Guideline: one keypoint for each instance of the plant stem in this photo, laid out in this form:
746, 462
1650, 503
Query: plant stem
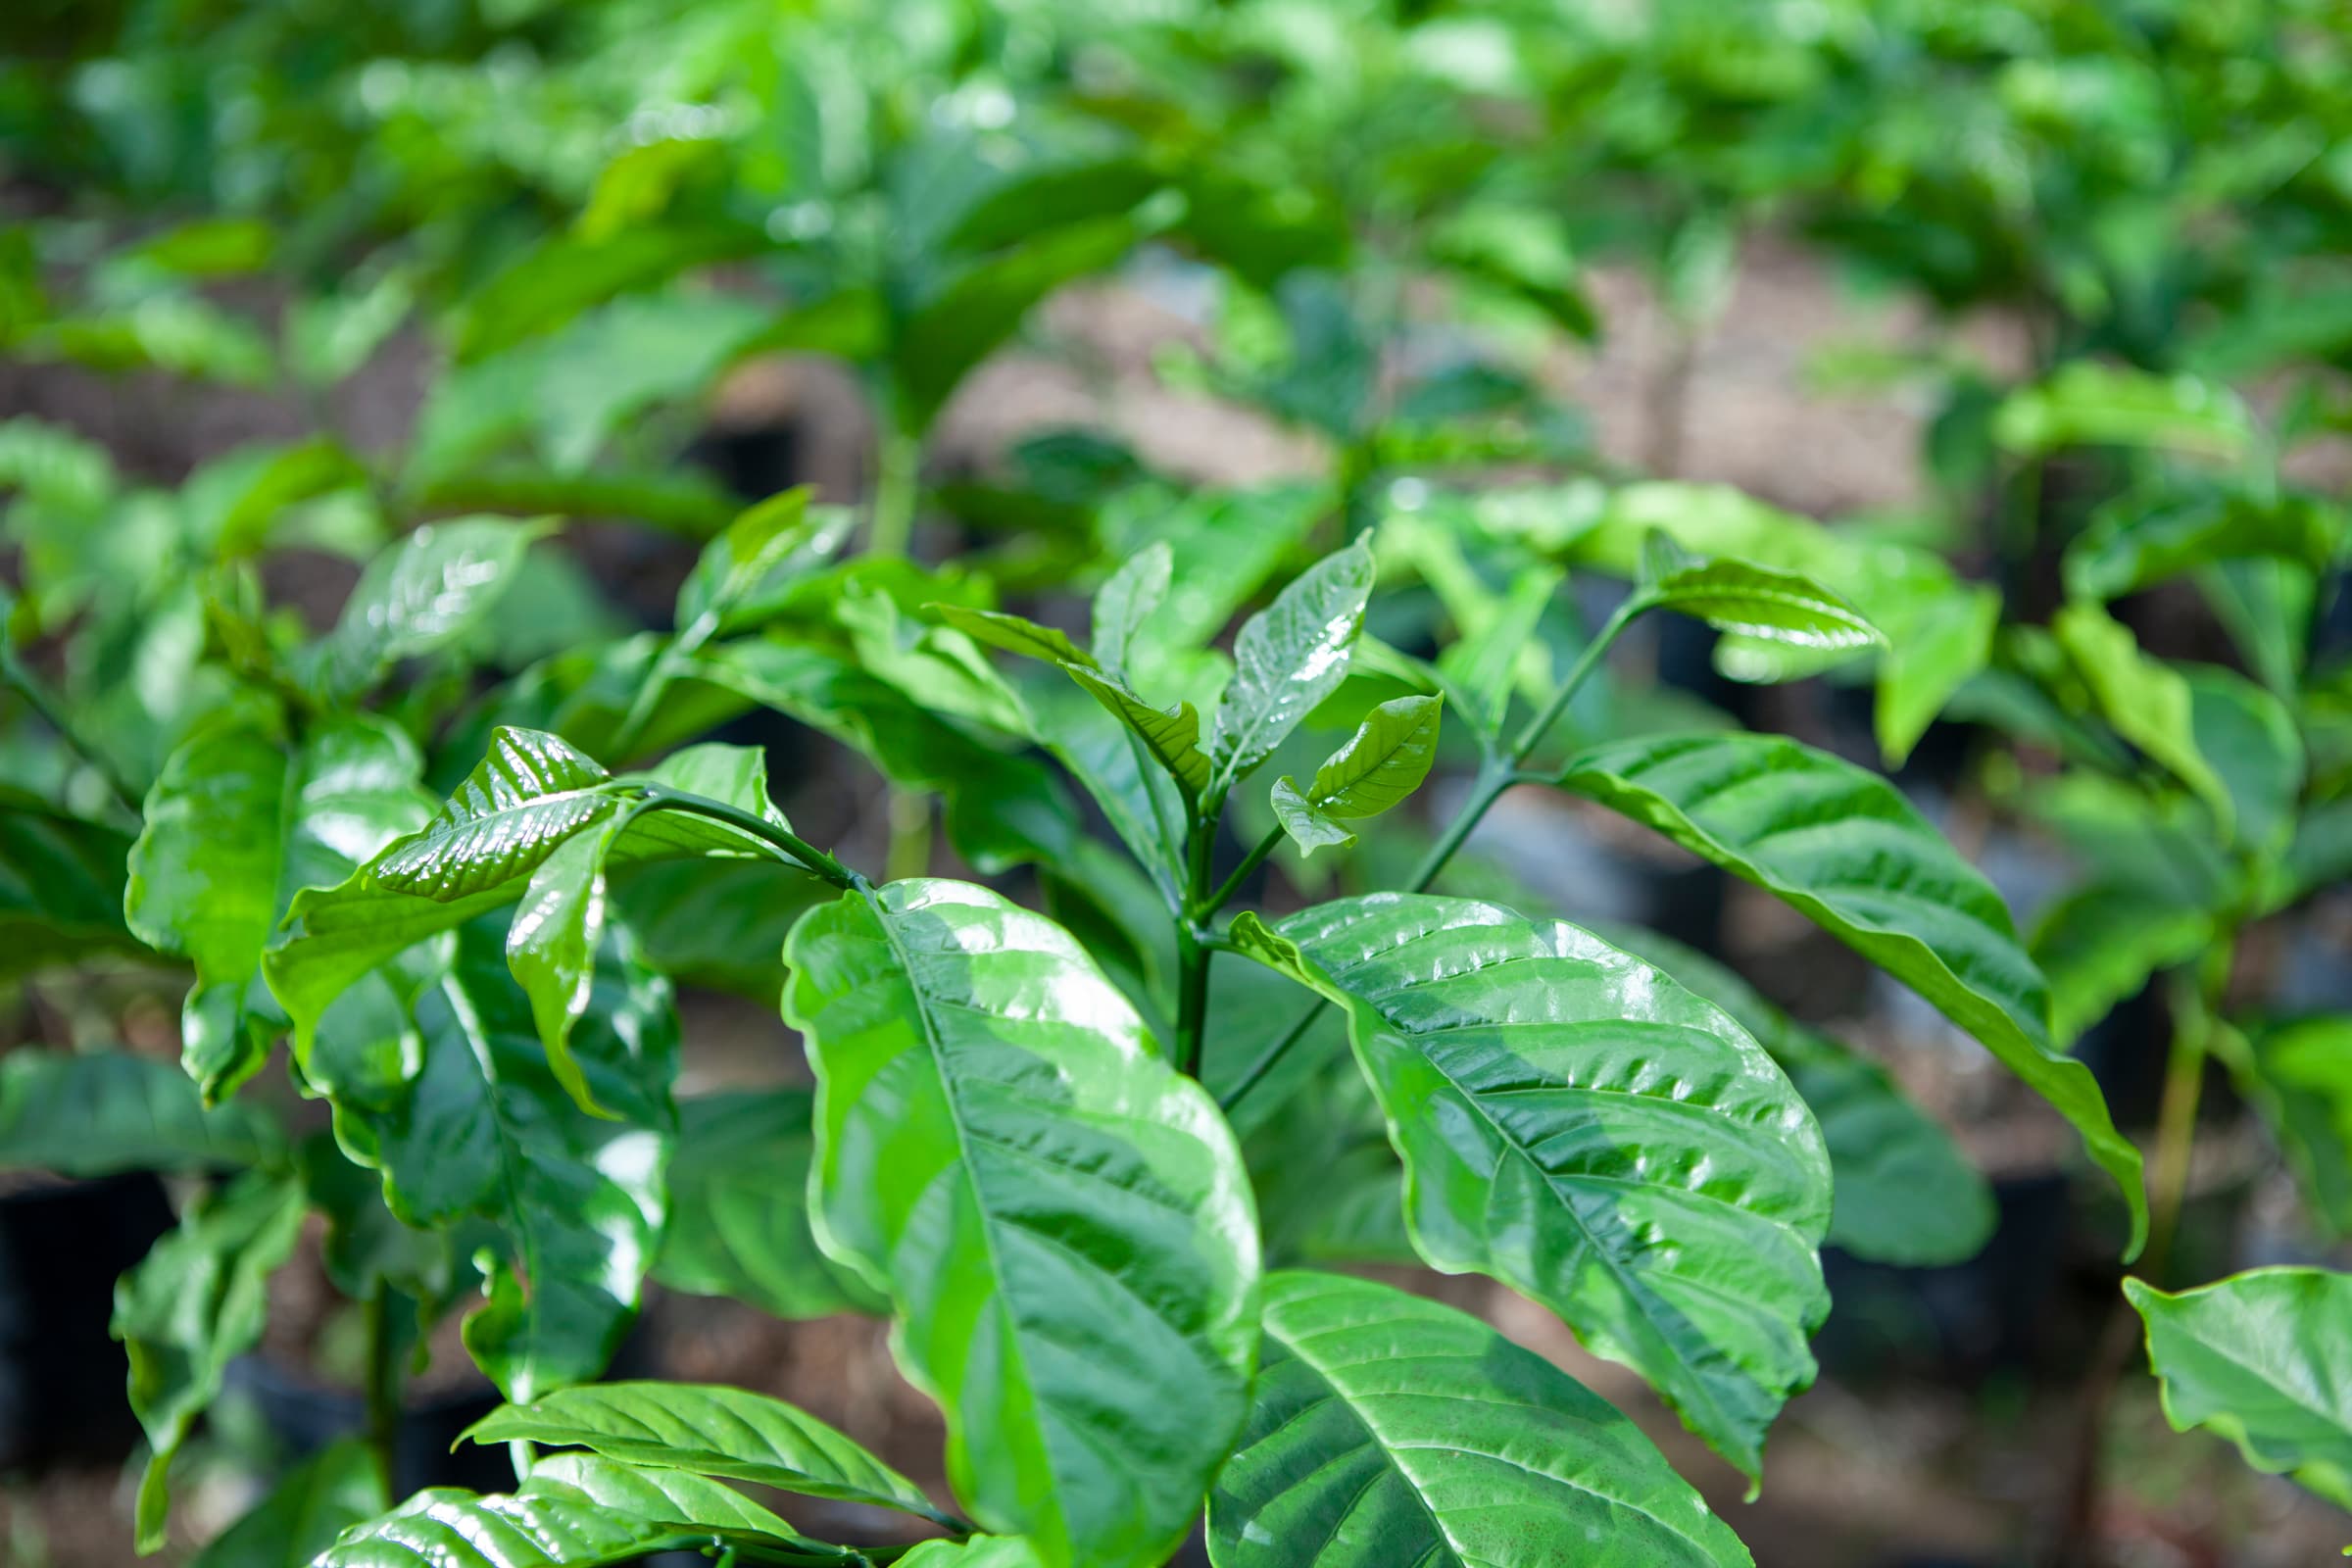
1192, 958
1223, 895
1497, 775
897, 479
2196, 1007
661, 797
383, 1384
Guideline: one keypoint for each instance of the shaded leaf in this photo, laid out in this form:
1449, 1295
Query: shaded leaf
1308, 827
1843, 847
2099, 944
97, 1112
2086, 404
1014, 634
2138, 540
2148, 702
1777, 606
1001, 1149
61, 885
1127, 598
1389, 1430
1173, 736
1557, 1104
2299, 1076
301, 1515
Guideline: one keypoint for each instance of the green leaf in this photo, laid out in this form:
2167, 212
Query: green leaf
2099, 944
576, 1512
315, 1502
236, 826
1557, 1104
1906, 1192
366, 1246
231, 502
739, 1208
1384, 761
1307, 827
1776, 606
1001, 1149
768, 548
977, 1552
1499, 648
98, 1113
1287, 659
2299, 1076
192, 1305
712, 1431
1389, 1430
2139, 540
1844, 848
2248, 738
1222, 547
2084, 404
2265, 1359
485, 1129
1127, 600
546, 287
2148, 702
1941, 639
418, 597
61, 885
1015, 635
1171, 735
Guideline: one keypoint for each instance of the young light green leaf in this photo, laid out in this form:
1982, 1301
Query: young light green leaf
1905, 1193
1941, 638
2148, 702
1287, 659
1389, 1430
1171, 735
420, 596
300, 1517
1096, 1234
2141, 539
485, 1129
1776, 606
1498, 649
1127, 600
577, 1512
712, 1431
769, 544
552, 941
1384, 761
739, 1208
976, 1551
2086, 404
94, 1114
1014, 634
1308, 828
194, 1305
1843, 847
1557, 1100
2265, 1359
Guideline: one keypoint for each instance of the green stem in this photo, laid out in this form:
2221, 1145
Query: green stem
2196, 1008
1497, 775
897, 479
910, 849
1223, 895
383, 1384
661, 797
1192, 958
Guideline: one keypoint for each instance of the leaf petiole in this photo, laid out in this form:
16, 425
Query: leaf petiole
661, 797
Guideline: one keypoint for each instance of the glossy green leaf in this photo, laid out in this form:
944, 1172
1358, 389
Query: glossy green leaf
1308, 827
739, 1207
2099, 944
2138, 540
1015, 635
2265, 1359
1384, 761
1389, 1430
767, 546
191, 1306
486, 1130
1173, 736
712, 1431
1287, 659
2086, 404
1557, 1104
1843, 847
418, 597
1905, 1193
238, 824
1127, 600
2148, 702
576, 1512
552, 940
1062, 1221
301, 1516
1778, 607
96, 1113
61, 885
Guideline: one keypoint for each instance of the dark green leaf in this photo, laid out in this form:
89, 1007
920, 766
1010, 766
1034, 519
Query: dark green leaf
1015, 635
1384, 761
2298, 1073
420, 596
1173, 736
566, 274
61, 886
1389, 1430
2248, 738
1096, 1234
711, 1431
1844, 848
767, 547
2265, 1359
2140, 540
1557, 1101
1287, 659
2099, 944
192, 1305
739, 1207
101, 1111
